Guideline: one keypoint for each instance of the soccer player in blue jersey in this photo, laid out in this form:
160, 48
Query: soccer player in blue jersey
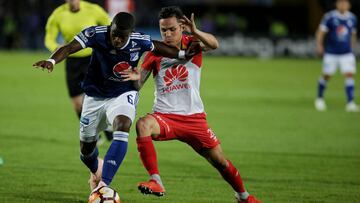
108, 99
336, 38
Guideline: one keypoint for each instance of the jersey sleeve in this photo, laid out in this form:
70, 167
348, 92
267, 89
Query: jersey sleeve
101, 16
51, 32
149, 62
147, 43
324, 24
87, 37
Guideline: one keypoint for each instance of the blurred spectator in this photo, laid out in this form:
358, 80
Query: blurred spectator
278, 29
115, 6
10, 31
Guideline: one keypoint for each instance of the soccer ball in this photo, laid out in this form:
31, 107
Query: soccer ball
104, 195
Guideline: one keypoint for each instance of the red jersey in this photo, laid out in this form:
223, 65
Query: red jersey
177, 82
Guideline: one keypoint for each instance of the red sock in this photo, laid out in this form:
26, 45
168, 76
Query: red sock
232, 176
147, 152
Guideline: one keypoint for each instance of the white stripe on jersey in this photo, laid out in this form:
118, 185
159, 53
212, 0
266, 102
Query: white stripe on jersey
101, 27
141, 38
80, 41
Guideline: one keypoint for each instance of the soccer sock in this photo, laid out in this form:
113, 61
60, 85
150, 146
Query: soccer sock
157, 178
349, 88
114, 156
91, 160
321, 87
147, 152
232, 176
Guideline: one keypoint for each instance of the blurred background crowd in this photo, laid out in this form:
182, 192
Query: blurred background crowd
246, 27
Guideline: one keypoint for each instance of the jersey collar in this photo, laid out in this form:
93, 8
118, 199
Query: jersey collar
344, 16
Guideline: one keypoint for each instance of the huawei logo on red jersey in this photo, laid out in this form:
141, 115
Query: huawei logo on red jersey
178, 72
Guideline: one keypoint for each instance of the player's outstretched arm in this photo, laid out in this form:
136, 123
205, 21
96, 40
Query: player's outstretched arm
59, 55
208, 40
160, 48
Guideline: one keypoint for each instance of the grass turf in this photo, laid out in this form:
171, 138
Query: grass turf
261, 110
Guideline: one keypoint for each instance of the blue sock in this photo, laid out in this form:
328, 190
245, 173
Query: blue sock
349, 88
321, 87
115, 155
91, 160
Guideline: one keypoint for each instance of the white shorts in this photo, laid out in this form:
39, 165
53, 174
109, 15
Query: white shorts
346, 62
99, 113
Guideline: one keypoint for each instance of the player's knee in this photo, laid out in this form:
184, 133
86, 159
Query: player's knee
87, 148
349, 75
326, 77
143, 125
122, 123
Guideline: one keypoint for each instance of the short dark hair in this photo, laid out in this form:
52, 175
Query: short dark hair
124, 22
170, 11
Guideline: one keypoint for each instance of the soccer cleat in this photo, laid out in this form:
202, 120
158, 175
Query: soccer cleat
151, 187
352, 107
320, 104
250, 199
96, 177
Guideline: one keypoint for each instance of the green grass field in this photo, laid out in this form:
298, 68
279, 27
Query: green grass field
261, 110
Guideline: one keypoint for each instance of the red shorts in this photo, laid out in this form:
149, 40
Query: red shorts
193, 130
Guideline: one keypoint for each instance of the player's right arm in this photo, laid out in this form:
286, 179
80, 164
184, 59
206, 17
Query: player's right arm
59, 55
320, 34
140, 76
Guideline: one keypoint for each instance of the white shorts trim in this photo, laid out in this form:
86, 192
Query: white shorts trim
99, 113
346, 63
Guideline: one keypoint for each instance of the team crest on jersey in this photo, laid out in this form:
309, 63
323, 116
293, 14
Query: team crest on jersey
119, 67
90, 32
133, 44
341, 32
174, 73
134, 56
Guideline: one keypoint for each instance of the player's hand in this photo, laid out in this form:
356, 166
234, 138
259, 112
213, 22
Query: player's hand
44, 65
130, 74
320, 50
189, 24
193, 49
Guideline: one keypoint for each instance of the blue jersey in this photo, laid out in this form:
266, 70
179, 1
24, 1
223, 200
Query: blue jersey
103, 77
339, 28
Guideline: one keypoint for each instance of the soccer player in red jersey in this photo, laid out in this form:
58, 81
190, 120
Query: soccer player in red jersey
178, 112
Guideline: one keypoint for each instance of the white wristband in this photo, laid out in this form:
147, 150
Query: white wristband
181, 54
52, 61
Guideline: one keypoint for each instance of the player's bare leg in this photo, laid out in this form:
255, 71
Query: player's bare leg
349, 88
89, 156
320, 104
227, 170
146, 128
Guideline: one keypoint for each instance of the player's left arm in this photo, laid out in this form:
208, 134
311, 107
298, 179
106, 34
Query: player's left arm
354, 35
353, 40
160, 48
208, 41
